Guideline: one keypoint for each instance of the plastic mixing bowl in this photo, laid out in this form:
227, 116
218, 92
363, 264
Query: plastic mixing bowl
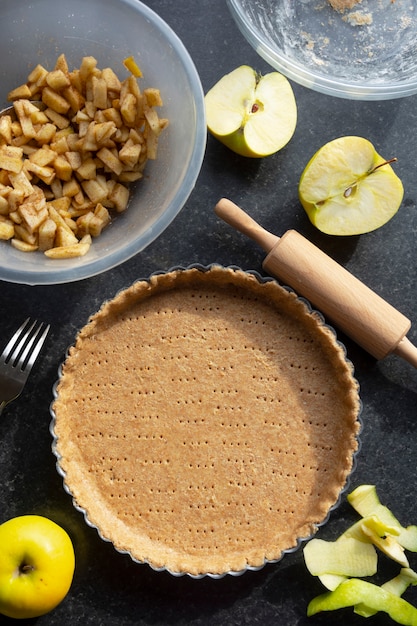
369, 52
37, 31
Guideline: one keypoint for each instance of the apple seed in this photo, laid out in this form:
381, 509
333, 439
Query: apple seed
349, 190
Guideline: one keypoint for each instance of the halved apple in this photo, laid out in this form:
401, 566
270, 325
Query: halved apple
253, 115
347, 188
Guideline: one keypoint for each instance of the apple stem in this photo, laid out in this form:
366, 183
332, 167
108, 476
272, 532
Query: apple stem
349, 190
384, 163
26, 568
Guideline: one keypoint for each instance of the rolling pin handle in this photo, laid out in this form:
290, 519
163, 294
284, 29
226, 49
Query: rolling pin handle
407, 351
233, 215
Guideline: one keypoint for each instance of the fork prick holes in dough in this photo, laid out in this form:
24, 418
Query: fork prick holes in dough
227, 434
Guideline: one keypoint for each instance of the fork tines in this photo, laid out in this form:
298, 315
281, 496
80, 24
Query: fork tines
25, 345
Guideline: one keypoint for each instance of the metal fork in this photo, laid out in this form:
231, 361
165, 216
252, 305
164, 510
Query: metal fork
18, 358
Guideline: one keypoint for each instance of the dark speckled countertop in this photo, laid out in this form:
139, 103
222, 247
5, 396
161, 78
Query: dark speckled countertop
108, 588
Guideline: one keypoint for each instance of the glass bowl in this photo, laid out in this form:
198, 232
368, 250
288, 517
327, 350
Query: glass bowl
38, 31
366, 53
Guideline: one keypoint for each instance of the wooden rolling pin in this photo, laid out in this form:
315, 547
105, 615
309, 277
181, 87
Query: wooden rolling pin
354, 308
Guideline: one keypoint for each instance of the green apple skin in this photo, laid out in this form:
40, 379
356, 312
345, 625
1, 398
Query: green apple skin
347, 188
37, 564
255, 116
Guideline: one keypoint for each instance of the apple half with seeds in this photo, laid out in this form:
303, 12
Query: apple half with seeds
253, 115
347, 188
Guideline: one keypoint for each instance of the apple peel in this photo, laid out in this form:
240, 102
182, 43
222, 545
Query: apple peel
365, 500
396, 586
345, 557
356, 592
341, 564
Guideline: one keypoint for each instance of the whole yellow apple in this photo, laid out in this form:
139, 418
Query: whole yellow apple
37, 564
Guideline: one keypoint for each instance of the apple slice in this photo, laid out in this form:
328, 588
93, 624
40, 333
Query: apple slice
253, 115
347, 188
